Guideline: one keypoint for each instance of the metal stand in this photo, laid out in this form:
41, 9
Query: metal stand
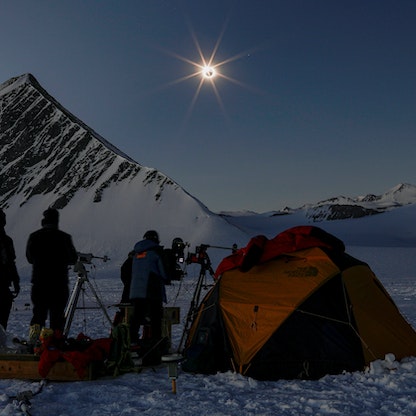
205, 262
78, 288
172, 361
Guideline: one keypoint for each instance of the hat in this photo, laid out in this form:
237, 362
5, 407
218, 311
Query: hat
50, 216
151, 235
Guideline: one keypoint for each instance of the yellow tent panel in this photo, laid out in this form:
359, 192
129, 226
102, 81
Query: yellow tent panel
277, 287
381, 326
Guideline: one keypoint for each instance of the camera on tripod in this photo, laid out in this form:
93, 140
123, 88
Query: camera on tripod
86, 258
173, 258
200, 256
80, 269
178, 248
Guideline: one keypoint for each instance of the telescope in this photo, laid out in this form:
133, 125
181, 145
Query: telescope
200, 256
86, 258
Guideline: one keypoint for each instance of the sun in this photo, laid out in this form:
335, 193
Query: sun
209, 72
207, 69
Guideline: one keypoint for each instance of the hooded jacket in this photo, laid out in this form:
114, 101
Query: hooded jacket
148, 274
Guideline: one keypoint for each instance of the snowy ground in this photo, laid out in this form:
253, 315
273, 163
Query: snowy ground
386, 388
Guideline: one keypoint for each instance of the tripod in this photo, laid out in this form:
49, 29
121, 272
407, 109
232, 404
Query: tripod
205, 262
78, 288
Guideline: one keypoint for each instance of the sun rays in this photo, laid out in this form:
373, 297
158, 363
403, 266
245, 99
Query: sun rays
208, 70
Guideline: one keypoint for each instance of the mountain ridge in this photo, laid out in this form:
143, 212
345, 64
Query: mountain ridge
342, 207
29, 79
49, 158
46, 132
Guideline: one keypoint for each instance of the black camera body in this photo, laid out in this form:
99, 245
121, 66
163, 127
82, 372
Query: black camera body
85, 258
172, 258
178, 249
200, 256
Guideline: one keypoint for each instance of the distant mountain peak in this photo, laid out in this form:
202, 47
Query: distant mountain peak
402, 187
342, 207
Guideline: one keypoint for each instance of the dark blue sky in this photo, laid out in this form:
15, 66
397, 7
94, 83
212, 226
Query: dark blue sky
317, 98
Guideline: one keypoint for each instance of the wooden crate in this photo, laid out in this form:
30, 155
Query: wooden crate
25, 367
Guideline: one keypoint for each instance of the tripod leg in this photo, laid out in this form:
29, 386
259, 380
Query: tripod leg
72, 305
99, 302
192, 309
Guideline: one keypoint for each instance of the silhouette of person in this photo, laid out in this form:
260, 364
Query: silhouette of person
50, 251
8, 273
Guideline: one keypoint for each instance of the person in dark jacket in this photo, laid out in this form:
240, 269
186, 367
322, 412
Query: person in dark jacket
125, 277
147, 288
50, 251
8, 273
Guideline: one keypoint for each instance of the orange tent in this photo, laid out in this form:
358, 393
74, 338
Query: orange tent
296, 306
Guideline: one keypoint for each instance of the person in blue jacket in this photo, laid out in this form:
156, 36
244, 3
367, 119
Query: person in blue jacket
147, 288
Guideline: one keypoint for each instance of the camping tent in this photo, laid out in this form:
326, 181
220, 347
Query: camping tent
295, 306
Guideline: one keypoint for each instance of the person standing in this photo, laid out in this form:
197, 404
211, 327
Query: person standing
147, 288
125, 277
8, 273
50, 251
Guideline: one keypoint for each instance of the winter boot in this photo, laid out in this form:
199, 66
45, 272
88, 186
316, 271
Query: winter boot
34, 333
46, 337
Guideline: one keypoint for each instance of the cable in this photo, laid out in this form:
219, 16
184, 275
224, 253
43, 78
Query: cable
22, 399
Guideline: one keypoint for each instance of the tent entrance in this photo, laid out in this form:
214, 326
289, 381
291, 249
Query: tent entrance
320, 337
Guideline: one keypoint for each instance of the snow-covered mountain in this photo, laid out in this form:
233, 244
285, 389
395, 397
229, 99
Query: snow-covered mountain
342, 207
361, 206
353, 220
48, 157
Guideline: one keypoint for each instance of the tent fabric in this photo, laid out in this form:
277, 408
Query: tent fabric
319, 338
258, 320
379, 321
260, 249
295, 306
